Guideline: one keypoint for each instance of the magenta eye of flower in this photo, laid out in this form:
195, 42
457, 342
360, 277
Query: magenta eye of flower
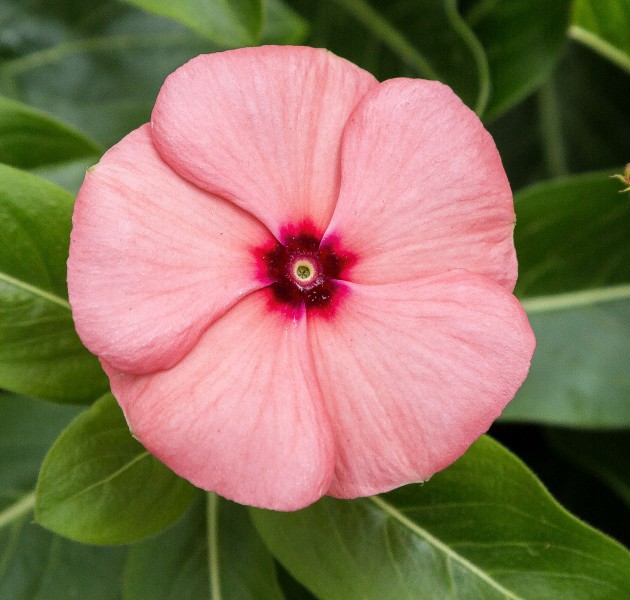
304, 271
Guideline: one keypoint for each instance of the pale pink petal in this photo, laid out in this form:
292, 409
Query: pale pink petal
241, 414
261, 127
411, 374
153, 259
422, 188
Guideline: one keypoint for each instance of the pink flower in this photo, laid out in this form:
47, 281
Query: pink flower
299, 279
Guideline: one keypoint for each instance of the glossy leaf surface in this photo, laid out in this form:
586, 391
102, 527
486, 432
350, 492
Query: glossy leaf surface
99, 485
483, 528
40, 352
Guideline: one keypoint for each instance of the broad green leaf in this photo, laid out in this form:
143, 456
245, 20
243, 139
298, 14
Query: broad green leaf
33, 562
238, 565
604, 26
416, 39
40, 353
605, 454
523, 40
229, 23
572, 234
573, 246
99, 485
30, 138
483, 528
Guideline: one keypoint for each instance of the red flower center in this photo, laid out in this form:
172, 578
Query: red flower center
304, 272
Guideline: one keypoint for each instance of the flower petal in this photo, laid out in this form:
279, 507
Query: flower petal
153, 259
261, 127
232, 418
423, 189
412, 374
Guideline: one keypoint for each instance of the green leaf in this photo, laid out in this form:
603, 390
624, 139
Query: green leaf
30, 138
604, 454
571, 236
483, 528
523, 40
33, 562
416, 39
238, 565
99, 485
40, 353
229, 23
602, 25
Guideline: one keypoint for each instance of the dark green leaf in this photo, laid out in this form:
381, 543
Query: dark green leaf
603, 25
483, 528
522, 40
99, 485
33, 562
420, 39
229, 23
572, 234
40, 353
604, 454
238, 566
30, 138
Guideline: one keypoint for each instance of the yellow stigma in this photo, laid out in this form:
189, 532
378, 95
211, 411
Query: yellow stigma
304, 271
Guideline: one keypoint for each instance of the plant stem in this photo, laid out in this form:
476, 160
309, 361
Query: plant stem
551, 130
23, 506
212, 526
